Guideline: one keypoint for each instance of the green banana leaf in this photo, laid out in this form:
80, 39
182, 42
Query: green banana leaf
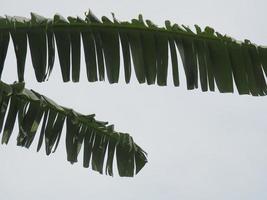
209, 58
100, 141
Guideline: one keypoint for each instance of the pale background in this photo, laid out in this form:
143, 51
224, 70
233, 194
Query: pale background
201, 146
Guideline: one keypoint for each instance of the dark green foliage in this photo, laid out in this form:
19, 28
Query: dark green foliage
207, 57
100, 140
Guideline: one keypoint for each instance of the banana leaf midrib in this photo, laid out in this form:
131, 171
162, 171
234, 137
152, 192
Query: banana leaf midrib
79, 27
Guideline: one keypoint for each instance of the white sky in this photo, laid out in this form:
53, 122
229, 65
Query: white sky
201, 146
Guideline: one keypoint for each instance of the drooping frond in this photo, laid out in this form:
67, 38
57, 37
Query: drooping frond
99, 140
209, 58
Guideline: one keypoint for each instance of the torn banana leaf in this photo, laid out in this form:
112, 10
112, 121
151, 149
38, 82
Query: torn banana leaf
39, 118
211, 61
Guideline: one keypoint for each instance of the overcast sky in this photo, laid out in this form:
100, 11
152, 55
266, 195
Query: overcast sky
201, 146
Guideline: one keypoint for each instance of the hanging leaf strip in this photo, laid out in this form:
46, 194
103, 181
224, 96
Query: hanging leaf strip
208, 57
99, 140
